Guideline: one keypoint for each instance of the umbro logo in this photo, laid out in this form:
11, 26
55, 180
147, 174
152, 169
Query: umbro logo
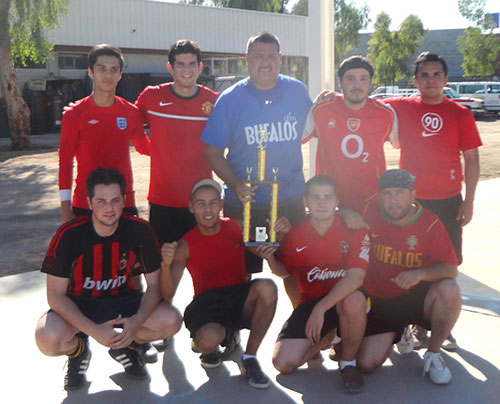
300, 249
93, 121
164, 104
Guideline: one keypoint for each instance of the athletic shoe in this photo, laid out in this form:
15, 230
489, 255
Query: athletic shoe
77, 369
421, 337
250, 368
148, 353
211, 360
436, 367
131, 361
231, 342
162, 345
450, 344
407, 342
352, 380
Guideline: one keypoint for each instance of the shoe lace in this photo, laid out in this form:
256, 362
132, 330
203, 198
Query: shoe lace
433, 359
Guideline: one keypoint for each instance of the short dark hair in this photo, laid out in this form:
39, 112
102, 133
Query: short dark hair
319, 179
264, 37
104, 49
429, 57
104, 176
183, 46
355, 62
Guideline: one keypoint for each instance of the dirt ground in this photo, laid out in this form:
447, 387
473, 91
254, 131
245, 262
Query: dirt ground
29, 196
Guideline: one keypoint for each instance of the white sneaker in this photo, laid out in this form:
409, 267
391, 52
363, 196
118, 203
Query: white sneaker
436, 367
406, 343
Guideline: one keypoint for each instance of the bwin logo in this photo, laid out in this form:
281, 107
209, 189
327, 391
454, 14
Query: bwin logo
105, 284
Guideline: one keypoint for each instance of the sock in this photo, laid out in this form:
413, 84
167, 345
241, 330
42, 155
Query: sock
79, 349
246, 356
343, 364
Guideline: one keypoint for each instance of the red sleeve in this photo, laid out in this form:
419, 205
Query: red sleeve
142, 104
68, 144
138, 137
359, 250
284, 256
441, 250
469, 134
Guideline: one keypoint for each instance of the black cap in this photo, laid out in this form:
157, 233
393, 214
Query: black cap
396, 178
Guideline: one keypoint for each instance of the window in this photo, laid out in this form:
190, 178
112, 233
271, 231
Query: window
73, 61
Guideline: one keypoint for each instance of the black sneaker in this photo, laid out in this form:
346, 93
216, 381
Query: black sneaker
148, 352
131, 361
250, 368
231, 342
77, 369
211, 360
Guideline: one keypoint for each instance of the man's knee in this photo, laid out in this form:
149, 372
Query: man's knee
284, 364
353, 305
169, 319
368, 365
266, 291
447, 291
48, 339
208, 337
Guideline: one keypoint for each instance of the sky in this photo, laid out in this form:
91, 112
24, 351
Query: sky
435, 14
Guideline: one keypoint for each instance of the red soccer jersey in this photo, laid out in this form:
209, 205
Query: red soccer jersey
99, 137
318, 262
351, 146
216, 261
431, 139
422, 242
178, 155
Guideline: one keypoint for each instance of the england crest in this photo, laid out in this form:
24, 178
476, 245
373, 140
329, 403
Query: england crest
121, 123
353, 124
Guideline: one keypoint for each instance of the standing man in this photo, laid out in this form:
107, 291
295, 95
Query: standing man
268, 108
411, 276
90, 265
97, 131
177, 113
224, 301
351, 131
434, 131
329, 262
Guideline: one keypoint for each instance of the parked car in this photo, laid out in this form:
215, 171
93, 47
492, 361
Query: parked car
476, 105
489, 91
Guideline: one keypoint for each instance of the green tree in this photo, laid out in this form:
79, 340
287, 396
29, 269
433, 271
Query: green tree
479, 45
349, 20
389, 52
271, 6
22, 25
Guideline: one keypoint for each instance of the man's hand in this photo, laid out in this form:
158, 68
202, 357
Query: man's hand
105, 333
66, 212
314, 325
282, 225
264, 251
168, 251
128, 334
353, 220
324, 95
244, 192
407, 279
465, 212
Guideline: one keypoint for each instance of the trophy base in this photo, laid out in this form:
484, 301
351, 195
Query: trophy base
259, 243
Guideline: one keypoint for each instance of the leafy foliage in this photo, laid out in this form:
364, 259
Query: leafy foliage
272, 6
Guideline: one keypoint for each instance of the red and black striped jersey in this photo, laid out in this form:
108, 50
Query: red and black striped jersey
102, 266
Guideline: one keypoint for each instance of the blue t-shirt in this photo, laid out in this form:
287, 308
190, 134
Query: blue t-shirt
241, 112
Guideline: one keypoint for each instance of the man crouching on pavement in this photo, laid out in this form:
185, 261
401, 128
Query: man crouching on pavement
90, 264
224, 301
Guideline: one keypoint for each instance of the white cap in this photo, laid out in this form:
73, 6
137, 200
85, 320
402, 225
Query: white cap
208, 182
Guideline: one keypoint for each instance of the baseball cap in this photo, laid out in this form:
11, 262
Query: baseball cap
396, 178
208, 182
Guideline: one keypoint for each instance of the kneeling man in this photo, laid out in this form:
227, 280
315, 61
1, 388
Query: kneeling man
90, 264
329, 262
224, 301
411, 276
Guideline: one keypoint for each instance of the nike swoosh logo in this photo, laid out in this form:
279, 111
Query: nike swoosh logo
425, 134
300, 249
163, 104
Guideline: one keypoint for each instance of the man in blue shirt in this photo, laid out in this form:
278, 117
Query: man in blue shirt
269, 105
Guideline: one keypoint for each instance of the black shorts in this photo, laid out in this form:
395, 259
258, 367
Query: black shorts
129, 211
394, 314
293, 209
447, 210
295, 326
170, 224
102, 309
222, 306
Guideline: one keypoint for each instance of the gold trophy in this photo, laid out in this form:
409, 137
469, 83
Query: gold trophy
261, 237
